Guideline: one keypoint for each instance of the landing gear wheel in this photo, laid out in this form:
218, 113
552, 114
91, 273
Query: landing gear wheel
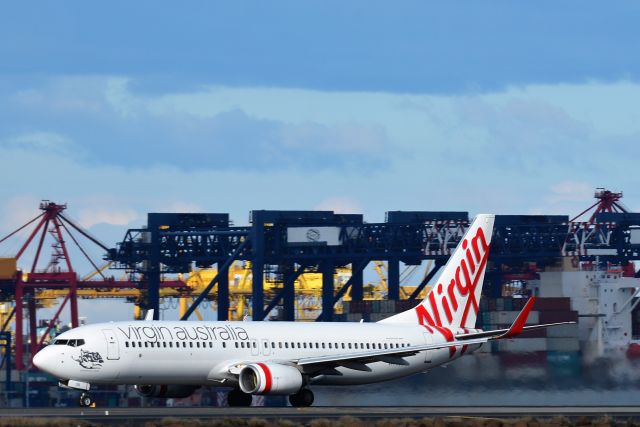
86, 400
237, 397
302, 398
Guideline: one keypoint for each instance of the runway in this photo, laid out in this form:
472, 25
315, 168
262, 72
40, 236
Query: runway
140, 414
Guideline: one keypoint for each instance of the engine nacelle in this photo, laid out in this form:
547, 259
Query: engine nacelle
177, 391
270, 378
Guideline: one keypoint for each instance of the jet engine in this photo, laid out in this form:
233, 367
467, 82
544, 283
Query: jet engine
178, 391
270, 378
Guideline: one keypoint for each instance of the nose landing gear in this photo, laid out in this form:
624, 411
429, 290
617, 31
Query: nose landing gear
86, 400
304, 397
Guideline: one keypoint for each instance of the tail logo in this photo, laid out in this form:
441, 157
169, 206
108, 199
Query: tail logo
445, 302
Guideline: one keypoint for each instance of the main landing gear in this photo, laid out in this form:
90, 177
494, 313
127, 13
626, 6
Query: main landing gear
302, 398
237, 397
86, 400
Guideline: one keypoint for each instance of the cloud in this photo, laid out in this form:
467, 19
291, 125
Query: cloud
18, 210
571, 191
90, 216
342, 205
125, 129
522, 133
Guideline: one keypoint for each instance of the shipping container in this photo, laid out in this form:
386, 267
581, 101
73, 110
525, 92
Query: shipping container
552, 304
523, 345
508, 304
508, 317
558, 316
563, 331
563, 344
535, 333
531, 358
8, 268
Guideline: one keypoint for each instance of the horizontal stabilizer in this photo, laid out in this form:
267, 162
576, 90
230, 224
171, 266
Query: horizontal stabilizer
516, 328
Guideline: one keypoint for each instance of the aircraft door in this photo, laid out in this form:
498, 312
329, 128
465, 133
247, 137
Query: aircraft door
255, 351
266, 350
113, 350
427, 353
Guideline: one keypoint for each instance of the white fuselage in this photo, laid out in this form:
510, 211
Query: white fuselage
200, 353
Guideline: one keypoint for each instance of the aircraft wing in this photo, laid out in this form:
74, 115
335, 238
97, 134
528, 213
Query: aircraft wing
393, 355
358, 360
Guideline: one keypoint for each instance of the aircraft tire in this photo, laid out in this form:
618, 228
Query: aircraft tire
237, 397
85, 400
302, 398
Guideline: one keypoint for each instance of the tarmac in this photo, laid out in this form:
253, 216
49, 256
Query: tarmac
144, 414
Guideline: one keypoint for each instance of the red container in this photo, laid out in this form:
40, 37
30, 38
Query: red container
552, 304
536, 333
558, 316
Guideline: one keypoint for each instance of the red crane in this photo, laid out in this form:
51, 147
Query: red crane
57, 274
608, 201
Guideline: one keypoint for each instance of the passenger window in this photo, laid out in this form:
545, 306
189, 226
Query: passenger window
322, 345
329, 345
191, 344
317, 345
286, 345
170, 344
126, 344
236, 344
210, 344
133, 343
255, 345
198, 344
224, 344
343, 345
349, 346
164, 344
304, 344
385, 346
146, 344
367, 346
273, 345
184, 345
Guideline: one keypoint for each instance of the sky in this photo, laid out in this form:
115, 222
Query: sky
120, 108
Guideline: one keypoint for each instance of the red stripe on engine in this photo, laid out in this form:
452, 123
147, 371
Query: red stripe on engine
267, 375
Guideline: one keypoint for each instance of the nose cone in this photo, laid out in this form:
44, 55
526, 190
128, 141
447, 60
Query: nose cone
43, 360
38, 359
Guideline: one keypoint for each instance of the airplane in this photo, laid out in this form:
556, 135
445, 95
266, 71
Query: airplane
167, 359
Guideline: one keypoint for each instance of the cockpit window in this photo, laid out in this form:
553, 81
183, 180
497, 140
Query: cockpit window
71, 343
